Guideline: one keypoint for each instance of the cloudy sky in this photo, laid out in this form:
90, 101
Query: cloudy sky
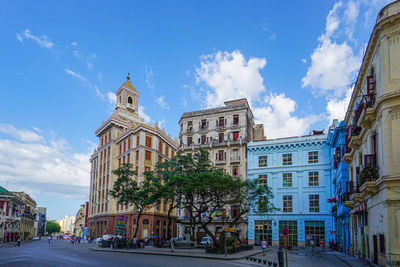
62, 61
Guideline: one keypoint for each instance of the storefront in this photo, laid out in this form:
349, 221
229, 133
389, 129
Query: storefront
263, 230
292, 237
314, 230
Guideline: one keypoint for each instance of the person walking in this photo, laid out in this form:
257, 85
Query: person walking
312, 243
322, 243
264, 246
172, 244
134, 242
49, 239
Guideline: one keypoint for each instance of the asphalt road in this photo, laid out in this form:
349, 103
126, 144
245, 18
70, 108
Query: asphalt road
61, 253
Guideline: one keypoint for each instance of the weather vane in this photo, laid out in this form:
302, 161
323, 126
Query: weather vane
128, 77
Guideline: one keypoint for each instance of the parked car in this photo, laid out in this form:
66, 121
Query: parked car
36, 238
206, 242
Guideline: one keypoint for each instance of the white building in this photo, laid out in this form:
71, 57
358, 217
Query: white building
67, 224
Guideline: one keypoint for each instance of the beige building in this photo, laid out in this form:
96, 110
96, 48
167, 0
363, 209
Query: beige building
28, 217
224, 132
373, 151
67, 224
125, 138
80, 221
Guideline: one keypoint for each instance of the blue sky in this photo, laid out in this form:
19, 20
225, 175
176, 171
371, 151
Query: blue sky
62, 61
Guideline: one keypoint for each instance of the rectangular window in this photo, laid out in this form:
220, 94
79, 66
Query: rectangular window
147, 169
129, 143
263, 161
203, 124
382, 247
235, 153
137, 140
287, 204
263, 180
220, 155
314, 203
160, 146
287, 179
159, 159
190, 125
189, 140
263, 204
148, 155
221, 137
221, 122
235, 136
313, 179
166, 150
235, 119
137, 156
313, 157
172, 154
287, 159
148, 141
203, 139
235, 171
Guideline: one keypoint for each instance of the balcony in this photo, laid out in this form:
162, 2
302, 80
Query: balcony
235, 159
203, 128
355, 136
367, 177
221, 126
235, 125
189, 130
220, 160
368, 115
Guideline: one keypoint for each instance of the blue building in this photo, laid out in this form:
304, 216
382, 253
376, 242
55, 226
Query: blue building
298, 171
341, 184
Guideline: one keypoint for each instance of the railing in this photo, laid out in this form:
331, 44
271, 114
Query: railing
369, 100
368, 174
355, 130
358, 112
370, 160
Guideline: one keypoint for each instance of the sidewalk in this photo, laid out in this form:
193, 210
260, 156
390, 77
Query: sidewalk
192, 253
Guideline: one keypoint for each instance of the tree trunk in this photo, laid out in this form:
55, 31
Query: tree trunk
137, 222
216, 242
169, 220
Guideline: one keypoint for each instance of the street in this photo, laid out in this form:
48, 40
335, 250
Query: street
62, 253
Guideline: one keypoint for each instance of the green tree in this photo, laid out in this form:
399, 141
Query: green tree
52, 227
129, 192
196, 185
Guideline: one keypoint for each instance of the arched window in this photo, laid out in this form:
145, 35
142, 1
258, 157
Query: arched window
145, 221
130, 101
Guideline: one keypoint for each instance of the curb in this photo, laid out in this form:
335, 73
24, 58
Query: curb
176, 254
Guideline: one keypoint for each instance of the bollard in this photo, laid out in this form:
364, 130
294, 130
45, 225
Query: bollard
275, 264
265, 261
269, 263
259, 260
280, 257
247, 258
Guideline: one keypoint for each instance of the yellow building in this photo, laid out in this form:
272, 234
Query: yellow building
373, 140
125, 138
28, 215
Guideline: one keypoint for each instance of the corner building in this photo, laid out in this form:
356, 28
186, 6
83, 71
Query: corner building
125, 138
224, 132
373, 139
297, 169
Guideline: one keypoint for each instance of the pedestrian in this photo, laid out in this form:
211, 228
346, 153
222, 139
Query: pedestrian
312, 243
264, 246
145, 242
172, 244
322, 243
79, 239
134, 242
49, 239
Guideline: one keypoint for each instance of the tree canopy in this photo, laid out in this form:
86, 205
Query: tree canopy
52, 227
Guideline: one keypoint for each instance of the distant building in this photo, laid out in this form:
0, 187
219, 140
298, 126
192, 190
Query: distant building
28, 215
373, 120
41, 219
341, 184
10, 215
224, 132
125, 138
67, 224
81, 221
297, 169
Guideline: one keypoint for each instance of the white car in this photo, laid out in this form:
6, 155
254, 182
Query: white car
206, 242
36, 238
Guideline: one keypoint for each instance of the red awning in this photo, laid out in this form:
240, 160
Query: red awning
359, 208
332, 200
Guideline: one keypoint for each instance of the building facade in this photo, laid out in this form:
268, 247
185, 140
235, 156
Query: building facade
297, 169
340, 177
41, 220
67, 224
224, 132
373, 119
125, 138
28, 215
10, 215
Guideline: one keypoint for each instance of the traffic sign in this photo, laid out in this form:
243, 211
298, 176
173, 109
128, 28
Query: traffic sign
228, 229
285, 231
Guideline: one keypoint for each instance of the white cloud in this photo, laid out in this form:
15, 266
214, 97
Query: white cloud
143, 115
100, 77
45, 167
74, 44
278, 116
86, 82
161, 102
42, 41
184, 102
161, 123
273, 36
337, 106
112, 98
230, 76
149, 76
20, 134
334, 65
304, 60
